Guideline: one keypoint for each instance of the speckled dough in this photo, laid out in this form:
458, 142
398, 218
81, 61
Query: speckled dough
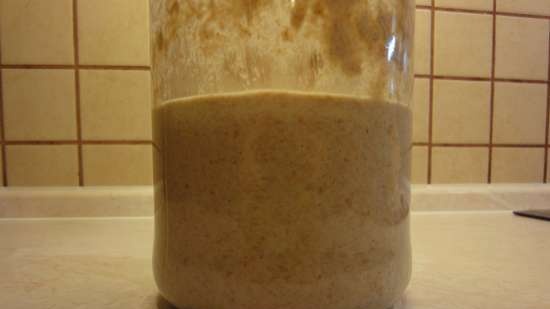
272, 199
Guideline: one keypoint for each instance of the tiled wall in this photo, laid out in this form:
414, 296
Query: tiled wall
482, 91
75, 92
75, 108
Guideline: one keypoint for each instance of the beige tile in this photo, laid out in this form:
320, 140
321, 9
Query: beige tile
483, 5
419, 173
463, 44
1, 170
521, 48
115, 105
461, 111
39, 104
520, 113
517, 165
422, 42
460, 164
36, 31
113, 165
538, 7
113, 32
42, 165
548, 167
423, 2
421, 110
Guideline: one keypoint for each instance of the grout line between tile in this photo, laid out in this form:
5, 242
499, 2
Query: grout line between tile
472, 145
115, 67
77, 93
470, 78
45, 142
431, 90
492, 97
483, 12
517, 145
79, 128
526, 81
458, 10
74, 66
523, 15
2, 130
483, 79
76, 142
480, 145
119, 142
420, 144
547, 129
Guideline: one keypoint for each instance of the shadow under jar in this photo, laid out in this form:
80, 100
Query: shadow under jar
282, 142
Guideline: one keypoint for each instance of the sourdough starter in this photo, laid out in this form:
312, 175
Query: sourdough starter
287, 200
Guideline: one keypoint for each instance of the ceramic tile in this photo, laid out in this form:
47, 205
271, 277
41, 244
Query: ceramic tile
115, 105
39, 104
114, 32
537, 7
36, 31
421, 110
419, 173
520, 113
459, 164
1, 170
521, 48
517, 165
422, 42
113, 165
462, 44
461, 111
483, 5
42, 165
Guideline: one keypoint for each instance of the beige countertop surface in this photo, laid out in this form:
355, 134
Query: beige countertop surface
467, 259
24, 202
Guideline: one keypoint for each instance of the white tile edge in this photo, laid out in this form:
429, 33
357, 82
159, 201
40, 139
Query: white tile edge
26, 202
481, 188
477, 197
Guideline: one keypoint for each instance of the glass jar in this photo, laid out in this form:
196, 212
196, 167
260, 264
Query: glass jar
282, 137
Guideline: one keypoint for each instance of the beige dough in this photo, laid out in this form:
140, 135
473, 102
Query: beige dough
289, 200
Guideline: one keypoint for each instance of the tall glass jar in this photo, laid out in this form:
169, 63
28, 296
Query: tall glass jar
282, 133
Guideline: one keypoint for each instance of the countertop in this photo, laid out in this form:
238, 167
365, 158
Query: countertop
45, 202
468, 259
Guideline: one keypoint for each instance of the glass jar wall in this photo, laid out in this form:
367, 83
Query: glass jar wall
282, 132
351, 47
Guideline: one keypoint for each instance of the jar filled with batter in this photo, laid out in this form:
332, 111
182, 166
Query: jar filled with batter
282, 144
